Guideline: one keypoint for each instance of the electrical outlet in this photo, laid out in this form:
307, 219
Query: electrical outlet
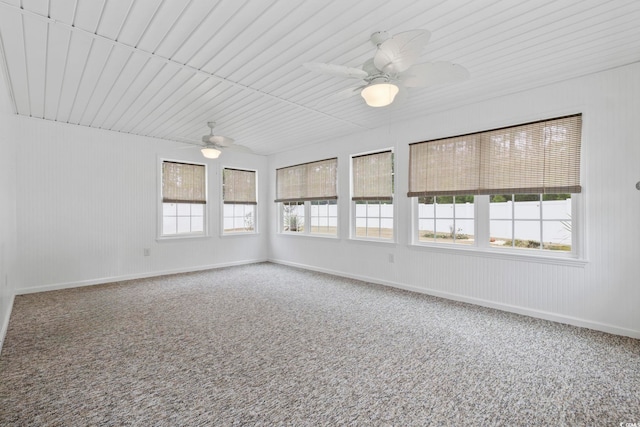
147, 252
391, 258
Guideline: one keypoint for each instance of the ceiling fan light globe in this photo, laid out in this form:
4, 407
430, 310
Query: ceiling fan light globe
210, 153
379, 94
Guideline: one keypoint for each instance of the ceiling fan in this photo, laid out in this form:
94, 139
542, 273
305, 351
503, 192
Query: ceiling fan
214, 144
392, 68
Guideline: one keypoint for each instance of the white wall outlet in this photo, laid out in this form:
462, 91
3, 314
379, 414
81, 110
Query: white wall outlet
147, 252
392, 258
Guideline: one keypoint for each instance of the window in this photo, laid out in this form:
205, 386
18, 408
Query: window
512, 187
183, 199
307, 195
531, 221
293, 214
324, 217
449, 219
239, 201
372, 195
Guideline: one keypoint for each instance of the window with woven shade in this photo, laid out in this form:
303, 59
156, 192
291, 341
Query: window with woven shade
524, 177
239, 198
239, 186
307, 181
184, 198
372, 195
307, 194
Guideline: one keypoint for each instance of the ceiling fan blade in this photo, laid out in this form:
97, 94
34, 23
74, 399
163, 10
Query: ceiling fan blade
221, 141
433, 73
240, 148
336, 70
347, 93
401, 51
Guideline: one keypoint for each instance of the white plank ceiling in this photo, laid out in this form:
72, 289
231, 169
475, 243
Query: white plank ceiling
163, 68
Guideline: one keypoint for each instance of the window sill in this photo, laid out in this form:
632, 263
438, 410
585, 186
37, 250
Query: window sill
239, 234
506, 254
381, 242
182, 237
314, 236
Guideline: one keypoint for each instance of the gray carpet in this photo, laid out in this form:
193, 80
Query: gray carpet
266, 345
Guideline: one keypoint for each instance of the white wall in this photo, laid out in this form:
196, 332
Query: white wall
87, 203
602, 293
8, 231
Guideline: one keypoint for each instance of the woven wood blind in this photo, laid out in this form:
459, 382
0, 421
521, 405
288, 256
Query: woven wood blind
239, 186
183, 183
373, 176
539, 157
308, 181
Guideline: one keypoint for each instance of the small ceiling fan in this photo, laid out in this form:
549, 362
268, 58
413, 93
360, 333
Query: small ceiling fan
214, 144
392, 68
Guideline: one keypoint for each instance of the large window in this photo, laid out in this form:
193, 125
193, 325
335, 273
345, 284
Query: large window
239, 201
184, 199
512, 187
307, 197
372, 195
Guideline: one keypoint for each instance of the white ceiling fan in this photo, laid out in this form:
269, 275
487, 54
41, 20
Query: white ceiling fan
392, 68
214, 144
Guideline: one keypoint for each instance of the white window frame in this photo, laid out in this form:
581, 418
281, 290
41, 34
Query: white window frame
160, 206
305, 195
222, 204
540, 222
482, 235
453, 218
307, 219
353, 214
235, 206
309, 214
380, 218
482, 247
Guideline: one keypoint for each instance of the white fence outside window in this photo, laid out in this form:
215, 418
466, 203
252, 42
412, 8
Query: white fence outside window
556, 214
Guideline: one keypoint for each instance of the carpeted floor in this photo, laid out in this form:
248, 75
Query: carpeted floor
265, 344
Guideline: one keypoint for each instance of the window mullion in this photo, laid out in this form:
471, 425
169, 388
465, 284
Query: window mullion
366, 219
307, 217
454, 232
513, 220
541, 224
380, 219
482, 221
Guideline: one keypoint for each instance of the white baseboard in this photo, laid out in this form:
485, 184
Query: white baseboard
4, 327
103, 280
554, 317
